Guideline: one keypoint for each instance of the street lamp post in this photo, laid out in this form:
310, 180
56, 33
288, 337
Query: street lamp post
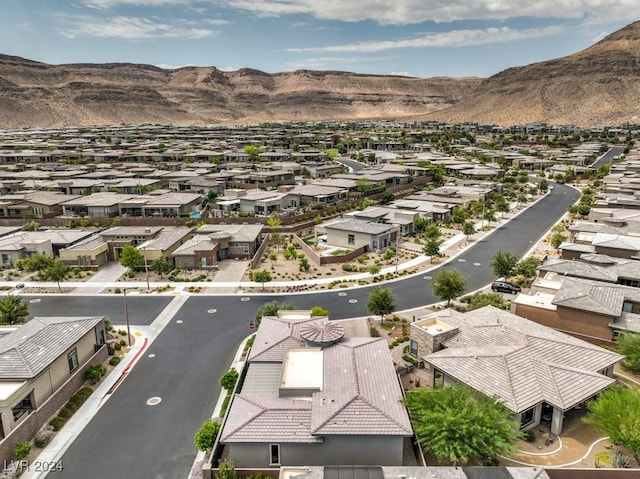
126, 314
146, 269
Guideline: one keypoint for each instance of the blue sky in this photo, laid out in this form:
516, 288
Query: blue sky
422, 38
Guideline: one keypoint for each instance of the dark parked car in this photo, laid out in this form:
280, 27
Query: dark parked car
504, 287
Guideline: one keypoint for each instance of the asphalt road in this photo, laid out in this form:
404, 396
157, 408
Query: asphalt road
608, 157
128, 438
142, 309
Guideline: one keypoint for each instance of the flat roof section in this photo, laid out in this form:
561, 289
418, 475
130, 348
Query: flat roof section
434, 326
302, 368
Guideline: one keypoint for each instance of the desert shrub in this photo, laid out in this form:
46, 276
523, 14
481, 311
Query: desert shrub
94, 373
114, 361
57, 422
123, 342
529, 436
22, 450
224, 405
117, 346
373, 332
42, 438
409, 359
110, 350
228, 381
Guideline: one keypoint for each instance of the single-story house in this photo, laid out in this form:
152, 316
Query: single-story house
41, 366
353, 233
309, 395
235, 241
590, 310
538, 373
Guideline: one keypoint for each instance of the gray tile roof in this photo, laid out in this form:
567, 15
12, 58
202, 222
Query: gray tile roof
521, 362
361, 394
600, 298
30, 349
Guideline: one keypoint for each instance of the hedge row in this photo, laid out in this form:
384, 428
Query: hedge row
70, 408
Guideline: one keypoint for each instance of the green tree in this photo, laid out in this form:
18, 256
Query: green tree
432, 231
387, 197
161, 266
303, 264
226, 470
381, 301
468, 229
274, 222
448, 284
262, 276
458, 424
615, 413
459, 216
319, 311
373, 269
56, 271
131, 258
557, 239
271, 309
205, 438
504, 263
629, 346
364, 186
480, 300
584, 210
36, 263
13, 310
432, 248
419, 224
229, 379
527, 267
273, 257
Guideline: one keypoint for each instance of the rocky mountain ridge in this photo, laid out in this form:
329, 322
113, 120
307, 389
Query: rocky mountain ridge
599, 85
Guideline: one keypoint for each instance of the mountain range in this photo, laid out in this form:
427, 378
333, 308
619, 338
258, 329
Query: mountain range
596, 86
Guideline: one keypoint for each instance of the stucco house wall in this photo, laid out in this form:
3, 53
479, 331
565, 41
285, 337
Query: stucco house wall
578, 323
345, 450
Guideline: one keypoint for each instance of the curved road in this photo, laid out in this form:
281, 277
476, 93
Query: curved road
128, 438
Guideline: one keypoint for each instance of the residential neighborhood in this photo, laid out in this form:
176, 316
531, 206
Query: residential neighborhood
344, 235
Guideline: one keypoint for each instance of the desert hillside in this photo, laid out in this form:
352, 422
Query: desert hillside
599, 85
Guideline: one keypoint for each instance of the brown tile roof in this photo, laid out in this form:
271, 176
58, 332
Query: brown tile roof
361, 394
521, 362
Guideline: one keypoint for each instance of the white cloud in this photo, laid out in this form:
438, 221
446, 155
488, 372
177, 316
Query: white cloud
455, 38
134, 28
399, 12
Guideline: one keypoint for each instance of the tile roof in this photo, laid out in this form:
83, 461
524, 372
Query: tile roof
521, 362
361, 394
27, 351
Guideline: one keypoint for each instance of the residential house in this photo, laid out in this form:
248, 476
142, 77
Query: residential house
387, 215
235, 241
593, 311
41, 366
309, 395
120, 236
35, 204
264, 203
303, 195
538, 373
597, 267
353, 233
170, 204
614, 245
97, 205
21, 244
91, 252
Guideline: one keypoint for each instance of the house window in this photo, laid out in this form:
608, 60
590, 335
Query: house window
351, 239
23, 407
627, 307
527, 417
72, 358
414, 348
274, 453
